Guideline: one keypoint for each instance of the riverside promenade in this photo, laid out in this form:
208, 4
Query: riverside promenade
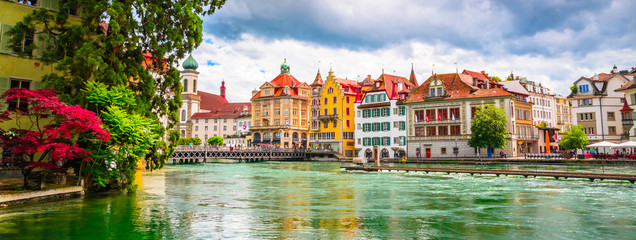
591, 176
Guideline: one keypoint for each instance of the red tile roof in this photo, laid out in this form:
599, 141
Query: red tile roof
456, 88
318, 80
280, 82
348, 85
388, 84
211, 101
226, 110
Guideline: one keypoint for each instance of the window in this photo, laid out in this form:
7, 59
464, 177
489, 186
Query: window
420, 131
196, 128
325, 124
431, 131
454, 113
347, 123
334, 100
443, 150
335, 124
325, 100
612, 130
215, 128
455, 130
610, 116
443, 130
455, 150
224, 128
347, 111
347, 99
326, 112
206, 128
286, 112
18, 103
584, 88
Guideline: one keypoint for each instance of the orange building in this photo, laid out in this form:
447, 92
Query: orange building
280, 113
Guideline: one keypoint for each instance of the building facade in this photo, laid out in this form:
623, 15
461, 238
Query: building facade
563, 107
333, 114
280, 111
191, 101
596, 105
440, 113
381, 116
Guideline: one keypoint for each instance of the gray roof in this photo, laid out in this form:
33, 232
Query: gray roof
515, 86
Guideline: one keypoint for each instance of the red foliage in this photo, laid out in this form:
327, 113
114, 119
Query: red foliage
67, 123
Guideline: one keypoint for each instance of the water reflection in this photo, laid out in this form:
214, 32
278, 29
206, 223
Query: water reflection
318, 201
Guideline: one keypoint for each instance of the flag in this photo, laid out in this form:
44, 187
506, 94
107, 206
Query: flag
554, 137
288, 125
416, 120
426, 118
439, 116
453, 116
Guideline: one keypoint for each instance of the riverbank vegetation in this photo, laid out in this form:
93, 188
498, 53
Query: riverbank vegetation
120, 62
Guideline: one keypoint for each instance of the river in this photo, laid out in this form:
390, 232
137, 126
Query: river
291, 200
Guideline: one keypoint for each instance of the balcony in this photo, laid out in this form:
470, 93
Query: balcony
527, 137
268, 127
328, 117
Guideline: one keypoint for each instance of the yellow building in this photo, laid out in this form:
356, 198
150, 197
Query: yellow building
563, 113
333, 114
23, 72
280, 113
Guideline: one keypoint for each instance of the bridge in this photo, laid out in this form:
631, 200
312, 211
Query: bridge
585, 175
250, 155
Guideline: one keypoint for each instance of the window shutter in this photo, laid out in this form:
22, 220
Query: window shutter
4, 39
5, 84
388, 113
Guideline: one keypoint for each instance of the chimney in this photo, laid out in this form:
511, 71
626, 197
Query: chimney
223, 89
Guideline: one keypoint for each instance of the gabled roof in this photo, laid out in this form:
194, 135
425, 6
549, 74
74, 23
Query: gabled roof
280, 83
456, 88
227, 110
387, 82
210, 101
515, 86
348, 86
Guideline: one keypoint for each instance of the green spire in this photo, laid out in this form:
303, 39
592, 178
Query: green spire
190, 64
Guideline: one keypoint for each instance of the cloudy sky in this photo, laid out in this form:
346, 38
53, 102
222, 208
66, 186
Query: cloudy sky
553, 42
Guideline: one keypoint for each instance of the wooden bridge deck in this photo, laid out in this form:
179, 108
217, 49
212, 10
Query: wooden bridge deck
556, 175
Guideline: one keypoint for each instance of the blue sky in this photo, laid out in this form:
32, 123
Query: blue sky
551, 42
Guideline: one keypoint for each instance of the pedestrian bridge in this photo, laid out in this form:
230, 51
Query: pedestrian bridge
196, 156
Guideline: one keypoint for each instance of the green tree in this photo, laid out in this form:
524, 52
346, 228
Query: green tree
496, 79
196, 141
489, 128
574, 90
216, 140
509, 78
575, 138
116, 43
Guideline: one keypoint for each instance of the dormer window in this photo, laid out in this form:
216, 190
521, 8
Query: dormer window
436, 89
377, 84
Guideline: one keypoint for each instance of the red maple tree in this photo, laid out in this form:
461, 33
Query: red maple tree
44, 126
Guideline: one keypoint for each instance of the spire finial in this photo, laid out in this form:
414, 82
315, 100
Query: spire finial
456, 68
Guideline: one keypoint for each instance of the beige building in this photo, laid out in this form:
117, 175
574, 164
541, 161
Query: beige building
280, 111
596, 105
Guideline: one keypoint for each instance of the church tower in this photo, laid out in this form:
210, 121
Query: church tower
191, 101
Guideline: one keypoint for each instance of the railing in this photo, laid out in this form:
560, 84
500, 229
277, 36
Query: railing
330, 116
534, 137
269, 126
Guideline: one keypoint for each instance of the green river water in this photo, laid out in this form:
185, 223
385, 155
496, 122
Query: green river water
285, 200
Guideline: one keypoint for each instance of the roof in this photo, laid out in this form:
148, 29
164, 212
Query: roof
388, 83
280, 82
456, 88
348, 86
283, 80
515, 86
318, 80
210, 101
226, 110
412, 78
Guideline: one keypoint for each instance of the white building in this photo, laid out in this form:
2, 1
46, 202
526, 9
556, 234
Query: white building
381, 116
596, 105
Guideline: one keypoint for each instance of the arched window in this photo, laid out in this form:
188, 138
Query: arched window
185, 85
183, 115
194, 85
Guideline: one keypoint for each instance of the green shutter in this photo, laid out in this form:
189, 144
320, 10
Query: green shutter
388, 112
37, 85
4, 39
5, 84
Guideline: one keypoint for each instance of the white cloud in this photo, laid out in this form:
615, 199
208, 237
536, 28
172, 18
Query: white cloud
246, 63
